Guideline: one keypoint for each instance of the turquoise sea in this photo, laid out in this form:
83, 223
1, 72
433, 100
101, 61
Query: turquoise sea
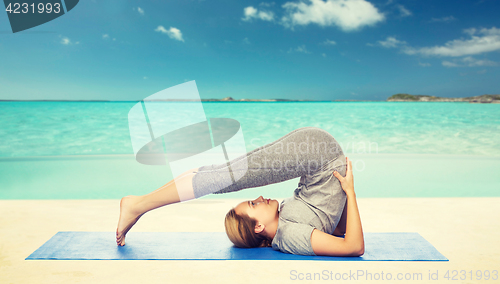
82, 150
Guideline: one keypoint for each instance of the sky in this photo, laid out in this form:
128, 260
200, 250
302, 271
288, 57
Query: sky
311, 49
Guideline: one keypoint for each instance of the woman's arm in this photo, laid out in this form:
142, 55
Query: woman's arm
353, 243
340, 229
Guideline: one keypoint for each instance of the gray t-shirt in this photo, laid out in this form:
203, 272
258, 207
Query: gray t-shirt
317, 202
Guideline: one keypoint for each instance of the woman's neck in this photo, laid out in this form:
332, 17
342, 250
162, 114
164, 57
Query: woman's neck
272, 228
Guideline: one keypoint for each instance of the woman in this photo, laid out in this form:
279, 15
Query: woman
324, 203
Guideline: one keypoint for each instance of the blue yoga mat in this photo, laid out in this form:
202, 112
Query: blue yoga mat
216, 246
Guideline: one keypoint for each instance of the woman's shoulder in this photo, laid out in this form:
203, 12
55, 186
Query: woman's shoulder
292, 237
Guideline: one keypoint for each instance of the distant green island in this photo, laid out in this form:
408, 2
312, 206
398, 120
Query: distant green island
495, 99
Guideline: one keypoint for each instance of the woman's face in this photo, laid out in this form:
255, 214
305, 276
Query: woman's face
265, 211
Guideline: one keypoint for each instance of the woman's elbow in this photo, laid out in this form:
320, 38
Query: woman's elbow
359, 251
362, 250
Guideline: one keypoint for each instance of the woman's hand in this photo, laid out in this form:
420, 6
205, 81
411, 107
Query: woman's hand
346, 182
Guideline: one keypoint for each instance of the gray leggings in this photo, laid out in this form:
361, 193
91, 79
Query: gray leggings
303, 151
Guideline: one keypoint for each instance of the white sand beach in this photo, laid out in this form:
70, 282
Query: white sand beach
465, 230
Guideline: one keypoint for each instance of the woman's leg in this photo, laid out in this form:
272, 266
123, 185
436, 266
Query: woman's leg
300, 152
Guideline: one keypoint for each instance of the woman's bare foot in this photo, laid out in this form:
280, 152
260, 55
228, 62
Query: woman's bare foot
128, 217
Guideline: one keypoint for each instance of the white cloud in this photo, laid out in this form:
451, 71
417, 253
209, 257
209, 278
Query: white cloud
476, 62
329, 42
301, 48
404, 12
249, 12
348, 15
469, 62
443, 19
246, 41
266, 4
470, 31
252, 13
106, 37
140, 10
391, 42
67, 41
481, 41
449, 64
322, 54
173, 33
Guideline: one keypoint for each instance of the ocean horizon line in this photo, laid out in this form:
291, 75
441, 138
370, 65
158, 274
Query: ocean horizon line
394, 98
193, 100
223, 101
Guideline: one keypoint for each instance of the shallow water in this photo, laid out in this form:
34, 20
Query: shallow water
82, 150
83, 128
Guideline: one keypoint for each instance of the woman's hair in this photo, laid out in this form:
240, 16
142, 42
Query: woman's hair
240, 230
